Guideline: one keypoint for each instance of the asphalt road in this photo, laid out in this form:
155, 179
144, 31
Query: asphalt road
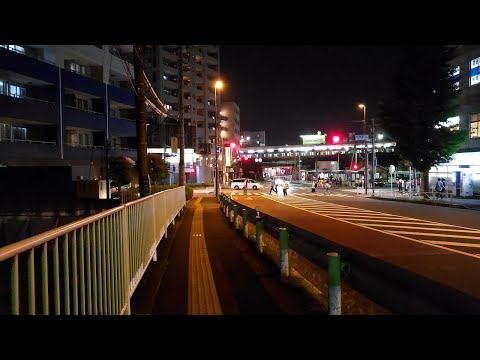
442, 244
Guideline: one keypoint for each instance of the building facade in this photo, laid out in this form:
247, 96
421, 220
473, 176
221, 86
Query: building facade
201, 68
462, 174
252, 138
59, 104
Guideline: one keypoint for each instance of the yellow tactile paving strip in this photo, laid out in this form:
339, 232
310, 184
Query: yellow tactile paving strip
202, 294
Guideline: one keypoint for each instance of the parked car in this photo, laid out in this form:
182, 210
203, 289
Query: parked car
378, 182
240, 183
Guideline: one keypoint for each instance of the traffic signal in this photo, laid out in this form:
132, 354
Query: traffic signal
192, 170
355, 166
336, 139
232, 145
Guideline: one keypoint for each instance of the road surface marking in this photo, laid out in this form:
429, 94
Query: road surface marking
296, 203
202, 293
454, 244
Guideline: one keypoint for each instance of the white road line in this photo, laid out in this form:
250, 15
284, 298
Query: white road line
424, 228
438, 235
454, 244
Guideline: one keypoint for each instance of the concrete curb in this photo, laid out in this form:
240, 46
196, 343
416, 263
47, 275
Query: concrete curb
422, 202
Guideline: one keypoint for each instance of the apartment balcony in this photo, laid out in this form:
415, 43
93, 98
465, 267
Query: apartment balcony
169, 69
29, 109
211, 72
27, 152
122, 96
170, 99
83, 118
21, 64
170, 84
82, 153
169, 55
211, 60
122, 127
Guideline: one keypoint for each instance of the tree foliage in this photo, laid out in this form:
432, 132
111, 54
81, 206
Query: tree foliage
158, 169
424, 95
121, 171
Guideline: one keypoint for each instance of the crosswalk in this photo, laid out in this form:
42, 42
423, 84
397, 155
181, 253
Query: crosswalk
457, 239
245, 194
315, 194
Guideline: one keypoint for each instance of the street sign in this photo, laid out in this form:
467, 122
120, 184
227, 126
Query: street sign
391, 169
361, 137
219, 149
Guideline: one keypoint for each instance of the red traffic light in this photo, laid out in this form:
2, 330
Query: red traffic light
192, 170
355, 167
232, 145
336, 139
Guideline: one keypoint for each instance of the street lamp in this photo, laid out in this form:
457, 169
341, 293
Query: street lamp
218, 85
364, 107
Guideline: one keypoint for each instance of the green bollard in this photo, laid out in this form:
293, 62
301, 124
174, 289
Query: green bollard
259, 233
284, 253
245, 223
334, 288
227, 204
235, 216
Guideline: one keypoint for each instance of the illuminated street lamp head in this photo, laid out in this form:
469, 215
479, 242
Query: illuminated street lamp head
380, 136
361, 106
218, 84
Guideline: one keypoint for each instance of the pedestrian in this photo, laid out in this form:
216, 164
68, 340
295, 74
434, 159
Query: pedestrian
439, 188
284, 187
245, 184
314, 185
273, 187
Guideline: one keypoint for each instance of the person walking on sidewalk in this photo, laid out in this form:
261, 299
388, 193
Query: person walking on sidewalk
245, 185
314, 185
284, 187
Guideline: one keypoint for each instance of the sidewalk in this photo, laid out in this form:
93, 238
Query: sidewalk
394, 195
205, 267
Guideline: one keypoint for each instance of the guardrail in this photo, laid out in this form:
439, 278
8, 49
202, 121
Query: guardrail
91, 266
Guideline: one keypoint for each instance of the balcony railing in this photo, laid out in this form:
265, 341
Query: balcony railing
83, 109
17, 96
26, 141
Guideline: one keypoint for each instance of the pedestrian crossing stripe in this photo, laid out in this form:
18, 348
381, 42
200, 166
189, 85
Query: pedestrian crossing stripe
246, 194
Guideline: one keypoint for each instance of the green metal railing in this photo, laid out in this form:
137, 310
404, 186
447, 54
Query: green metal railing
91, 266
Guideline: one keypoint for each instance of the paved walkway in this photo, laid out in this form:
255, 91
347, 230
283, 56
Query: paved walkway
205, 267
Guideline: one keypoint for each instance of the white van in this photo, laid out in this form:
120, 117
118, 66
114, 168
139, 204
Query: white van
238, 184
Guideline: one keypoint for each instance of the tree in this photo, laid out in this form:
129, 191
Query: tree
121, 171
424, 96
158, 169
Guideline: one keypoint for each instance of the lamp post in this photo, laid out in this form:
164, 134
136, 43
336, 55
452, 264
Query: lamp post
364, 107
374, 165
218, 85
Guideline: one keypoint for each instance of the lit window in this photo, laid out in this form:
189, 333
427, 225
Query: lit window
17, 48
456, 71
475, 71
17, 91
453, 123
475, 125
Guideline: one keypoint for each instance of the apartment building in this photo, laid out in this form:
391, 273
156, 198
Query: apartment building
230, 122
462, 174
201, 68
59, 104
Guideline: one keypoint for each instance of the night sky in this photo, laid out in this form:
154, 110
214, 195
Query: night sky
292, 90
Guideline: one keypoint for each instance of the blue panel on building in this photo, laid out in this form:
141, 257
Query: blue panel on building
81, 83
121, 95
120, 127
83, 119
28, 66
28, 109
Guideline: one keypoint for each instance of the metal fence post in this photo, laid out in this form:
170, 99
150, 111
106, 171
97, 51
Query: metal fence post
245, 223
334, 289
259, 233
235, 216
284, 252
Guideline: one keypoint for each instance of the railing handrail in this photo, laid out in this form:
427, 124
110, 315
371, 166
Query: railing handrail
86, 110
29, 98
28, 141
33, 241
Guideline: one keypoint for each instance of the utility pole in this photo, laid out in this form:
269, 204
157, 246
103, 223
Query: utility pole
181, 137
374, 165
138, 51
107, 166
